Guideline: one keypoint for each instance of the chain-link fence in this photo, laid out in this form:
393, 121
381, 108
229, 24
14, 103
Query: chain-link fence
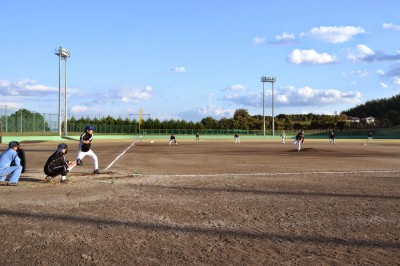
21, 121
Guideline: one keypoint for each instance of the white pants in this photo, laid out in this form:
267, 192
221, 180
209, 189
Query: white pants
298, 142
237, 140
172, 140
283, 140
91, 154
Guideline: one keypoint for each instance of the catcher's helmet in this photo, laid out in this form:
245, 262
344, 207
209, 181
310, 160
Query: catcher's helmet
62, 146
12, 144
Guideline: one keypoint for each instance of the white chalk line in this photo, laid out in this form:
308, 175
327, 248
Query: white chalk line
132, 144
276, 174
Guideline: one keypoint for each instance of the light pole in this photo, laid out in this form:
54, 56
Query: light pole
62, 53
272, 80
263, 80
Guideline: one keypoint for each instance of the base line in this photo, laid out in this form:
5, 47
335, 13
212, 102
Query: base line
132, 144
278, 174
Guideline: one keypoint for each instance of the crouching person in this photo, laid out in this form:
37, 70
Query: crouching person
10, 164
58, 165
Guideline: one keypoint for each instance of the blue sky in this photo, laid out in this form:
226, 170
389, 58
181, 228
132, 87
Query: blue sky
189, 59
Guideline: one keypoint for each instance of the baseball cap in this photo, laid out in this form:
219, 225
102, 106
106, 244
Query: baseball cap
12, 144
89, 128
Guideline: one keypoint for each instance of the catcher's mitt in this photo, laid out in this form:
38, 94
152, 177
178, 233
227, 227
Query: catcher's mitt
302, 141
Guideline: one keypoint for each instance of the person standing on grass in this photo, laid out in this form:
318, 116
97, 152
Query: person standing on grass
84, 149
58, 165
10, 164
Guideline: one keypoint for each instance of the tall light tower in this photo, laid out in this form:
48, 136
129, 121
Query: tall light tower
263, 80
62, 53
272, 80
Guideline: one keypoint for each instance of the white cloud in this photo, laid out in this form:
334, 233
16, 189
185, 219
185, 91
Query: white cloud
360, 53
79, 109
258, 40
366, 54
24, 88
391, 26
284, 38
310, 57
380, 72
179, 69
236, 87
128, 95
293, 97
384, 85
360, 73
213, 110
336, 34
396, 80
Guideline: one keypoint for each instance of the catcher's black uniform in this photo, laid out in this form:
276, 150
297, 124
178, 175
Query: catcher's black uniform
56, 165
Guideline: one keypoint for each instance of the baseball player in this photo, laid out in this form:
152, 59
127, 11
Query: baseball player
58, 165
172, 139
299, 139
332, 138
370, 136
197, 136
237, 138
84, 149
283, 137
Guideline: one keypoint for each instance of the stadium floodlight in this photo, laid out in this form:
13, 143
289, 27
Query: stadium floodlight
62, 53
263, 80
272, 80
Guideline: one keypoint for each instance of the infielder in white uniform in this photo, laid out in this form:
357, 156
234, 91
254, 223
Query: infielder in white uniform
283, 137
84, 149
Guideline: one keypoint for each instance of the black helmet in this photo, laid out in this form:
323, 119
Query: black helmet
12, 144
62, 146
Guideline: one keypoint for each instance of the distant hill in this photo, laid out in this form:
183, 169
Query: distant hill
383, 109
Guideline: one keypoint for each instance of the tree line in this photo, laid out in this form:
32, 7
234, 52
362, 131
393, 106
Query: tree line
386, 112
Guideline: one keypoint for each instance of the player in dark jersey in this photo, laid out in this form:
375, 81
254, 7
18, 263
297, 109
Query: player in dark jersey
332, 138
58, 165
172, 139
84, 149
299, 139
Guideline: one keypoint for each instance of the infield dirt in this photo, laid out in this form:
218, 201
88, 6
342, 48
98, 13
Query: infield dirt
208, 203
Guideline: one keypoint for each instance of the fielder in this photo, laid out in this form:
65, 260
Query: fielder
283, 137
332, 138
84, 149
172, 139
237, 138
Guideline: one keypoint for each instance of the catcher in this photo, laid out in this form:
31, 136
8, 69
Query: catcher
299, 140
58, 165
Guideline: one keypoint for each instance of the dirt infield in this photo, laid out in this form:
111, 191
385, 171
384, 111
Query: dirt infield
208, 203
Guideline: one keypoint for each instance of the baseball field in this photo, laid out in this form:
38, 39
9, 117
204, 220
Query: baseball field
210, 202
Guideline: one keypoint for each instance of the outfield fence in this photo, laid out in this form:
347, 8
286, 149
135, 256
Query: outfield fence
16, 122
